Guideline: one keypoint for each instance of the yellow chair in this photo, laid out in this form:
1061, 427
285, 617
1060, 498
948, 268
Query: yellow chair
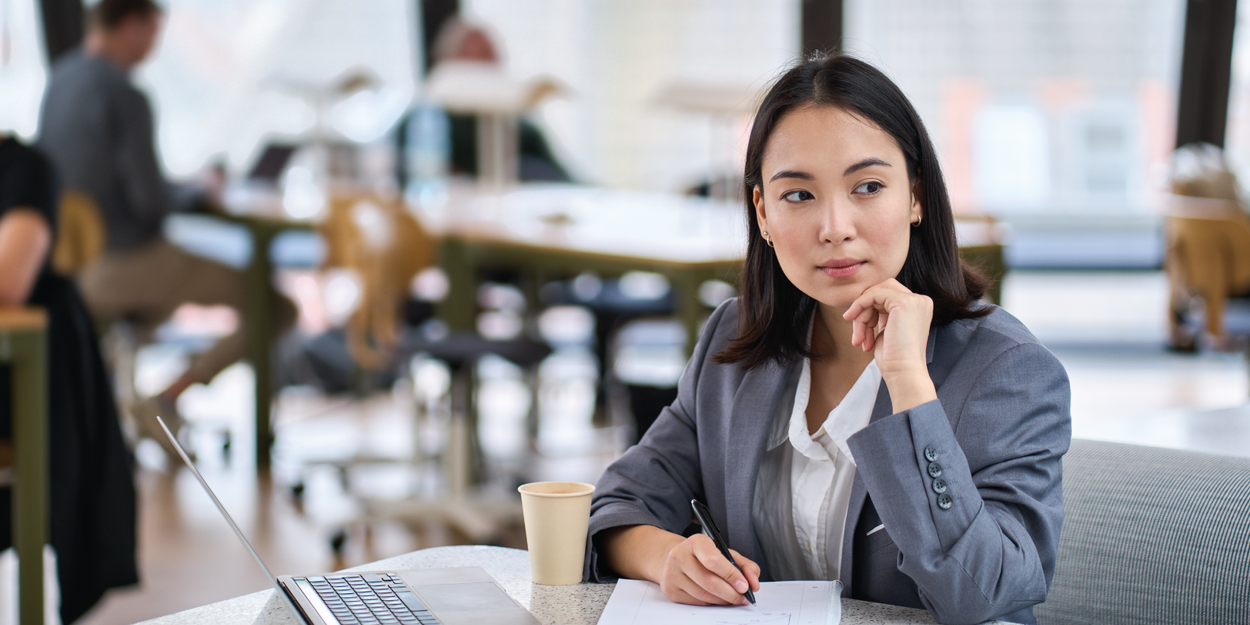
386, 247
1207, 256
80, 235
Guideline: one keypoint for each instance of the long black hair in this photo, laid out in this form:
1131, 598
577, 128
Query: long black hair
773, 313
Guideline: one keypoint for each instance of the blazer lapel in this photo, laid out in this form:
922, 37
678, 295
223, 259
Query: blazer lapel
746, 436
882, 409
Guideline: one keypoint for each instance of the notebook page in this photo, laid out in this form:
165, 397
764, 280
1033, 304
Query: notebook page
635, 602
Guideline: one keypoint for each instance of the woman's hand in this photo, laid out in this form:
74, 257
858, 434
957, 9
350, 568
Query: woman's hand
688, 570
696, 573
894, 323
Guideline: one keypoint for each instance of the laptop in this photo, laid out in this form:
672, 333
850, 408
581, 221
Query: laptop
271, 163
465, 595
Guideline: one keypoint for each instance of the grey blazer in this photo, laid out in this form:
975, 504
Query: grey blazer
998, 431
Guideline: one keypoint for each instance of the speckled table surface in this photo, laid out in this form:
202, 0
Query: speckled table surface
552, 605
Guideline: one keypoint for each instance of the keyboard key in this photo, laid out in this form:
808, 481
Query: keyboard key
410, 600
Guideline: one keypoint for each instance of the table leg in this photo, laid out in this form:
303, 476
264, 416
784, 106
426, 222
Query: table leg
27, 353
260, 339
458, 308
689, 308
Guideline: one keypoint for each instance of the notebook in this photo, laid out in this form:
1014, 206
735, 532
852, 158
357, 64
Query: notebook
445, 596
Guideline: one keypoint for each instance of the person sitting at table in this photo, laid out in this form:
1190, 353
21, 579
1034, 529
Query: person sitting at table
856, 414
92, 494
461, 41
97, 128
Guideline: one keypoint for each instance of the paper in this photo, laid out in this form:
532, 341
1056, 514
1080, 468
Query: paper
637, 602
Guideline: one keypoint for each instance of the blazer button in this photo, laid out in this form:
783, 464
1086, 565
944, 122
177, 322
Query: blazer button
939, 486
945, 502
930, 453
935, 469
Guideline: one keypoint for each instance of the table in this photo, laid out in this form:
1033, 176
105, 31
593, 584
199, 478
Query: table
23, 346
557, 231
552, 605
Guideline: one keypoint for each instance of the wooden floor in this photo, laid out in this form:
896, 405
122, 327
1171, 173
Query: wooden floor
1107, 328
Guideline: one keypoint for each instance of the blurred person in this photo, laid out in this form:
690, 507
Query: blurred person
856, 414
1207, 256
92, 495
97, 128
459, 41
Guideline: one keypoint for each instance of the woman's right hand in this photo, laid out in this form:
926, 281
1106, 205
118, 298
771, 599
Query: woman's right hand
696, 573
688, 570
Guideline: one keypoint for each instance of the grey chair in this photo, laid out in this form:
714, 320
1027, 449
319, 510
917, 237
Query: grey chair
1151, 536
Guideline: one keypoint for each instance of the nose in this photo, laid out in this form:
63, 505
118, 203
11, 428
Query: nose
837, 223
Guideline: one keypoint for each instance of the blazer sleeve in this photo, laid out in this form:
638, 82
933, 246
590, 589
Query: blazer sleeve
653, 482
986, 546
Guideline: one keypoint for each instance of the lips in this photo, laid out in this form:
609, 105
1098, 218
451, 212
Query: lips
841, 267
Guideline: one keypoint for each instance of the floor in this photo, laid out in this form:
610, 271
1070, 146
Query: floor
1106, 327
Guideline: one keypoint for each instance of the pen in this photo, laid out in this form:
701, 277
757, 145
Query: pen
711, 531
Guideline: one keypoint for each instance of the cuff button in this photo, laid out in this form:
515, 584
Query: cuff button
935, 469
930, 453
939, 486
945, 502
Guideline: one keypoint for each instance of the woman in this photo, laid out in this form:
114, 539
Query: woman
856, 413
92, 500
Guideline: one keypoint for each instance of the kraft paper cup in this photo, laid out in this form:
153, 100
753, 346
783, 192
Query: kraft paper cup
557, 517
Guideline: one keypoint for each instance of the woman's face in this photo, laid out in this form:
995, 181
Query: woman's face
836, 202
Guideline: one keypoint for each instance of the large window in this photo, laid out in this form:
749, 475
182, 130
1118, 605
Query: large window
617, 57
1061, 107
23, 70
229, 73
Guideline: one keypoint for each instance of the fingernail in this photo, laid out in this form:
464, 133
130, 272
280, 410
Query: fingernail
740, 586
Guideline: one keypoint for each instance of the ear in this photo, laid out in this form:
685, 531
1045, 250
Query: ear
761, 215
916, 211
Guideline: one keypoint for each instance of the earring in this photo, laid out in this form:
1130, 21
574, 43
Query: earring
916, 224
769, 240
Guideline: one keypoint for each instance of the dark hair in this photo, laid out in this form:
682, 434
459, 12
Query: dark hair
772, 312
109, 14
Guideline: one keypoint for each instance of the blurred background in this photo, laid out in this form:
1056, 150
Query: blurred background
1055, 122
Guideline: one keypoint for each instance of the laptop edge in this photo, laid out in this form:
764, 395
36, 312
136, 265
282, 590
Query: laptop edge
304, 602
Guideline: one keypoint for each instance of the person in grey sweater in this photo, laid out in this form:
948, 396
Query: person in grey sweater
97, 129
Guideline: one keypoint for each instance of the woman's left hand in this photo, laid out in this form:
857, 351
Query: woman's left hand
894, 322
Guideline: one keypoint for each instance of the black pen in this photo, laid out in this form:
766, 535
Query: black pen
711, 531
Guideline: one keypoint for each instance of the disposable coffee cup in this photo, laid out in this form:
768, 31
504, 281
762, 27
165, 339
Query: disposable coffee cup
557, 517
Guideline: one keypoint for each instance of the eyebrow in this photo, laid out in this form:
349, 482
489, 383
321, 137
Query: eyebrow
871, 161
790, 173
868, 162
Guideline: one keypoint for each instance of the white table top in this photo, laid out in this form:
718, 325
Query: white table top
618, 222
553, 605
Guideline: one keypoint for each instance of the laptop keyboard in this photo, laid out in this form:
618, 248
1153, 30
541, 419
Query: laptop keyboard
371, 599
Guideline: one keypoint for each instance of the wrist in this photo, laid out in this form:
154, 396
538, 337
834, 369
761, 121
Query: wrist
911, 390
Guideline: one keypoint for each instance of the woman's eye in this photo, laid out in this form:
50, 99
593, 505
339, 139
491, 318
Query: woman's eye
869, 188
797, 196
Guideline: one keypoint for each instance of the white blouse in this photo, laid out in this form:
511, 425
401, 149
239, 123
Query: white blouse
822, 469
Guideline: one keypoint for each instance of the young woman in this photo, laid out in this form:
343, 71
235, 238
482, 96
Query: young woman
92, 495
857, 413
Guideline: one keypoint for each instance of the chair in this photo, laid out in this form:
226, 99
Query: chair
1151, 536
80, 234
1207, 258
386, 247
980, 245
